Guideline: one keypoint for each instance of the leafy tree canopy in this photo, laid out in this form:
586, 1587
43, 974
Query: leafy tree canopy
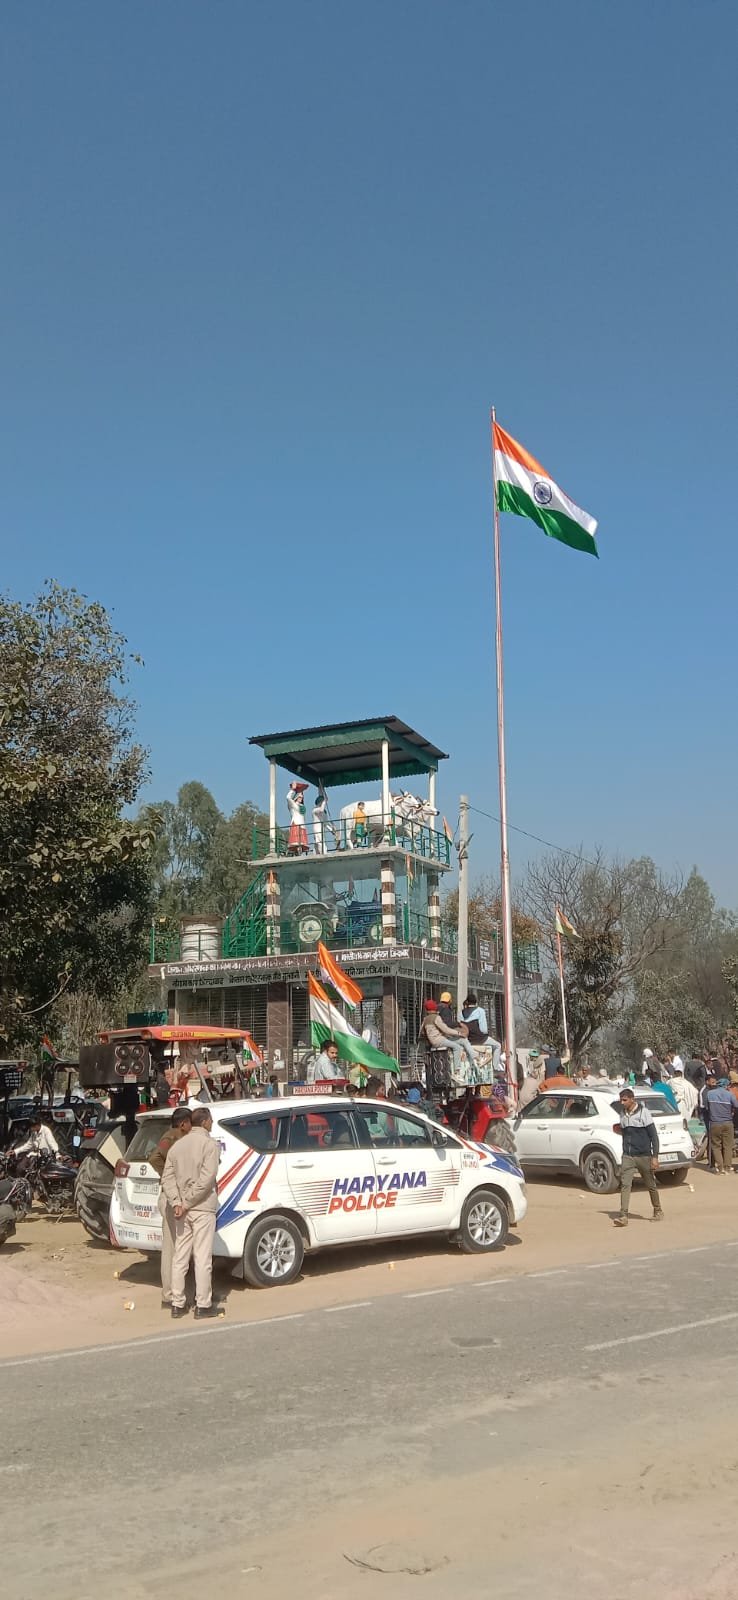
74, 874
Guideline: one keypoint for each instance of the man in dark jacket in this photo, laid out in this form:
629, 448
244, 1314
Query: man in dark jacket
640, 1154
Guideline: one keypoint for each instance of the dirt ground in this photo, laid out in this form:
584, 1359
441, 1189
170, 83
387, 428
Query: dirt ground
61, 1290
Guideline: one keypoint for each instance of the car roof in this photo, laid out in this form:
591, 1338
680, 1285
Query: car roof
219, 1109
612, 1093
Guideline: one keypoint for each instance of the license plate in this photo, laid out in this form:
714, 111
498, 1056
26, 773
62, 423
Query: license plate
145, 1186
668, 1158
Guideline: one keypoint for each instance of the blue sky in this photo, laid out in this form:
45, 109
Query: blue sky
265, 268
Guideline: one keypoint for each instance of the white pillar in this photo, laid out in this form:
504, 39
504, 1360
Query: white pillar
385, 785
273, 912
434, 911
389, 906
272, 808
432, 792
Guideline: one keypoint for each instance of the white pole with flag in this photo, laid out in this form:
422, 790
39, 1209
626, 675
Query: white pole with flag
507, 944
563, 991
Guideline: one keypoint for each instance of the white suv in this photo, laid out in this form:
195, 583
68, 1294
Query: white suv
301, 1173
574, 1130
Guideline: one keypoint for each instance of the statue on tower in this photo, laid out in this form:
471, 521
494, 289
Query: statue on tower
297, 842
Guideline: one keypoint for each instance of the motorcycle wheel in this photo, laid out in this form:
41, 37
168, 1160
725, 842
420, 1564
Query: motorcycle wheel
92, 1193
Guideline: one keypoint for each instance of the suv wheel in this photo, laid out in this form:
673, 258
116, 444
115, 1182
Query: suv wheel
599, 1172
484, 1222
273, 1252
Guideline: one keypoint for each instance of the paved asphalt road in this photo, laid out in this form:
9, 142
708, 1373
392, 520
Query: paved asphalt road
157, 1467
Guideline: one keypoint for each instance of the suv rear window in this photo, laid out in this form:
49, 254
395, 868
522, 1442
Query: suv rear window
657, 1105
146, 1137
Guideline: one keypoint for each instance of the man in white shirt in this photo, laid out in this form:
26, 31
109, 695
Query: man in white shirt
40, 1141
326, 1065
685, 1094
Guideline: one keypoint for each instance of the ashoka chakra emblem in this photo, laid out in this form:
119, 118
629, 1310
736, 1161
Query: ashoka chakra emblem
542, 493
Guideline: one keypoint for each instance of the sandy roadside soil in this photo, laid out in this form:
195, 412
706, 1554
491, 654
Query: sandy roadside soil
60, 1290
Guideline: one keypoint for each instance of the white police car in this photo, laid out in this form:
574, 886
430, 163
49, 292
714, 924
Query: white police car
305, 1172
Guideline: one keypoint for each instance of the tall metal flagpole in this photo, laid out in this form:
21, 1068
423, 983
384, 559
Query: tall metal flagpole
507, 944
563, 991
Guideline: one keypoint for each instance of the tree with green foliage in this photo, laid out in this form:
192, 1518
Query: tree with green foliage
74, 869
201, 858
627, 915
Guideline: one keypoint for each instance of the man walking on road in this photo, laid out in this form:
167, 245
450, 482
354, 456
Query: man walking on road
720, 1106
189, 1184
180, 1124
640, 1154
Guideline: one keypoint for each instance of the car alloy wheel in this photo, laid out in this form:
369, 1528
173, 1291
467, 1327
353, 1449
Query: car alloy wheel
484, 1223
276, 1252
598, 1171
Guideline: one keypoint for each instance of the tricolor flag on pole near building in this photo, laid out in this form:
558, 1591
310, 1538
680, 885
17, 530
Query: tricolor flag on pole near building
332, 973
527, 489
328, 1023
48, 1053
563, 925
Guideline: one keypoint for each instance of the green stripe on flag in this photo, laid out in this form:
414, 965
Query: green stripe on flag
353, 1049
554, 523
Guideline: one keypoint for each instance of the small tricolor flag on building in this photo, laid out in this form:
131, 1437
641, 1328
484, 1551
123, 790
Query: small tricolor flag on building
527, 489
332, 973
48, 1053
447, 830
563, 925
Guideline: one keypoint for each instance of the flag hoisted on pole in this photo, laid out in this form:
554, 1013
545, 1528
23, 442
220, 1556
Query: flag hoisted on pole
507, 949
565, 927
521, 485
526, 488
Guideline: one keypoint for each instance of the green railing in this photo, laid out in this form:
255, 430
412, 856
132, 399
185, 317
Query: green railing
245, 930
337, 837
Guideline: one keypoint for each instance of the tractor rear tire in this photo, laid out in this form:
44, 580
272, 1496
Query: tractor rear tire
501, 1137
92, 1194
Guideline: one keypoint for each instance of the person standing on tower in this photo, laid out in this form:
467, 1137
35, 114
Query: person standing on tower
297, 842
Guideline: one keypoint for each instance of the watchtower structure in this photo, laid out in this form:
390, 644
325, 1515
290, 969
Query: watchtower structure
364, 876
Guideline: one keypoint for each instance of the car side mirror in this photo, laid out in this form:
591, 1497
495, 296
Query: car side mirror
438, 1136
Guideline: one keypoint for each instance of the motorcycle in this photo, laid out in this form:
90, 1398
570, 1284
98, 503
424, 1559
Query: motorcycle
50, 1178
16, 1200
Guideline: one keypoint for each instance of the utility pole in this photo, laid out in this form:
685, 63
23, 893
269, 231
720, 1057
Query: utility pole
462, 977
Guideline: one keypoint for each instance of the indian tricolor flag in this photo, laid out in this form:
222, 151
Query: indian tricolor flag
328, 1024
527, 489
331, 972
563, 925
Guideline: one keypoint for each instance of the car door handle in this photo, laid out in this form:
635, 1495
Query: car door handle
542, 1127
584, 1127
387, 1161
303, 1163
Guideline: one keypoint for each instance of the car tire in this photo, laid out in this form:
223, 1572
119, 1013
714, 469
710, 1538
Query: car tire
273, 1253
484, 1223
680, 1175
500, 1136
93, 1190
599, 1172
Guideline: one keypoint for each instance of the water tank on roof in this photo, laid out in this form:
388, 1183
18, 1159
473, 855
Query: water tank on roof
200, 939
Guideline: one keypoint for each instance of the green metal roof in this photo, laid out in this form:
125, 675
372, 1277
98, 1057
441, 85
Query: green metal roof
351, 752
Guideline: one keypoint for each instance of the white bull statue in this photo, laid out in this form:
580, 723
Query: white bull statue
407, 811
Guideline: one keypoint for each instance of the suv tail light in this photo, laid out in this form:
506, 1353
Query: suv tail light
121, 1169
88, 1133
